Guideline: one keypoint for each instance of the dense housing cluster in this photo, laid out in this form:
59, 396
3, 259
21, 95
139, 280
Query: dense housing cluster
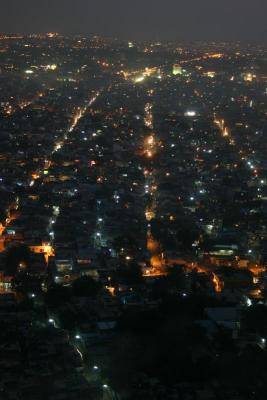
133, 216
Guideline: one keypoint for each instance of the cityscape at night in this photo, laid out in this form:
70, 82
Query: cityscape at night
133, 217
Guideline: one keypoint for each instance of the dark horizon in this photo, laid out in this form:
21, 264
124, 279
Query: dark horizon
241, 20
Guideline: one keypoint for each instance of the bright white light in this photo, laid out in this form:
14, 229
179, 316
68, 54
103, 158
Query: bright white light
190, 113
78, 337
249, 302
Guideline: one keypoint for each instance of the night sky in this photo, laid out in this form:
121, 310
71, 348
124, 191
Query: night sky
243, 20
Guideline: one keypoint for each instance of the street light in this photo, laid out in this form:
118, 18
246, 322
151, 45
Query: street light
249, 302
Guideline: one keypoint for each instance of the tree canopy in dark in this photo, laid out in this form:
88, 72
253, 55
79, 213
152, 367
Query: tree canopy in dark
85, 287
14, 257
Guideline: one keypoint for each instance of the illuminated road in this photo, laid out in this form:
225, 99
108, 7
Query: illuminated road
252, 168
150, 148
78, 113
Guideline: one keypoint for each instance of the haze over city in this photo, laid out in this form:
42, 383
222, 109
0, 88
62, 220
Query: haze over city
242, 20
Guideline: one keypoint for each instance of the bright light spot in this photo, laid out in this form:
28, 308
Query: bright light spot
249, 302
211, 74
177, 70
51, 67
150, 140
225, 132
139, 79
190, 113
